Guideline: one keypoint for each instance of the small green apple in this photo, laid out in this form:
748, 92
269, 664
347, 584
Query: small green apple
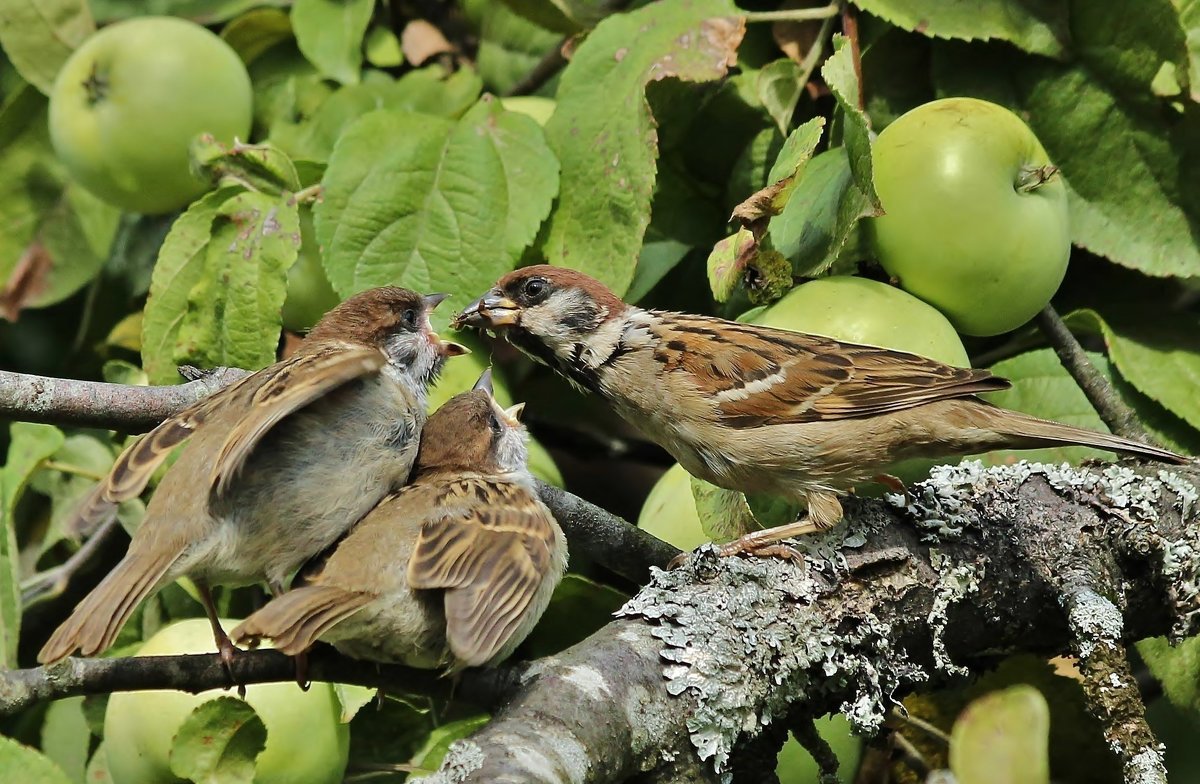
305, 739
975, 216
859, 310
309, 293
128, 102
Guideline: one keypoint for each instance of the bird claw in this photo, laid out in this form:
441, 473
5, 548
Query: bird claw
745, 546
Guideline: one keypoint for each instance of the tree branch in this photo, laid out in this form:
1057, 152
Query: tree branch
124, 407
1119, 417
195, 673
710, 654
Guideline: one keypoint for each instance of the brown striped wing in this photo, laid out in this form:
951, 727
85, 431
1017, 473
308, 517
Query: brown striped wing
763, 376
292, 385
490, 562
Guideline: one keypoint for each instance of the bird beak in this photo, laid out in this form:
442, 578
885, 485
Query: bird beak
448, 348
512, 415
484, 382
490, 311
433, 300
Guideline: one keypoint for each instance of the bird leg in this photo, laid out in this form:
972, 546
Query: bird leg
300, 660
824, 511
893, 483
225, 646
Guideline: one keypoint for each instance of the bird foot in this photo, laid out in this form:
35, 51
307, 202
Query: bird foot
759, 549
228, 651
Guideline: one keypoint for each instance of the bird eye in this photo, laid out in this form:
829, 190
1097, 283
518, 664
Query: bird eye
534, 288
409, 318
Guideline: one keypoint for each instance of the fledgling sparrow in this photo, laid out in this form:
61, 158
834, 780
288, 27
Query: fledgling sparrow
451, 571
277, 466
757, 409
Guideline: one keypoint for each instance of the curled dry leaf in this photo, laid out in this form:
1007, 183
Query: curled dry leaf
796, 39
26, 280
421, 41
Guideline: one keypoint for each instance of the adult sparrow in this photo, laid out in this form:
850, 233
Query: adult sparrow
276, 468
451, 571
762, 410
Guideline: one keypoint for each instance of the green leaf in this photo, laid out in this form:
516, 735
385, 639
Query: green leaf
1134, 187
821, 214
256, 31
383, 48
1003, 737
784, 176
179, 268
1176, 667
330, 34
218, 743
1161, 360
657, 258
66, 737
1039, 27
1189, 20
604, 135
840, 75
91, 458
779, 89
39, 35
26, 765
724, 514
205, 12
561, 16
76, 233
579, 607
29, 445
389, 730
233, 310
352, 698
444, 207
261, 167
429, 757
509, 46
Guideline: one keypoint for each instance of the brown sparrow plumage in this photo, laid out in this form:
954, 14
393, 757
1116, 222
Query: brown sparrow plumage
277, 466
757, 409
451, 571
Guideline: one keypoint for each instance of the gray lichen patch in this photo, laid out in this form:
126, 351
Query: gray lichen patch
946, 503
462, 759
1147, 768
955, 582
1094, 620
743, 641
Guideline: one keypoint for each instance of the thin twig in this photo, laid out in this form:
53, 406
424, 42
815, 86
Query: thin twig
1119, 417
551, 63
910, 755
793, 14
199, 672
850, 28
916, 722
805, 732
74, 470
52, 582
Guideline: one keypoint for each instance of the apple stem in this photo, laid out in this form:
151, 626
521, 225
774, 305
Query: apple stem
96, 86
1034, 177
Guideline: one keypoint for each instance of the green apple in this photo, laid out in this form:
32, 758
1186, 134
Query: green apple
859, 310
128, 102
309, 293
975, 216
669, 512
305, 739
535, 106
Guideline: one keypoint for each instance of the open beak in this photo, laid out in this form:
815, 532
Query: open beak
490, 311
433, 300
512, 415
